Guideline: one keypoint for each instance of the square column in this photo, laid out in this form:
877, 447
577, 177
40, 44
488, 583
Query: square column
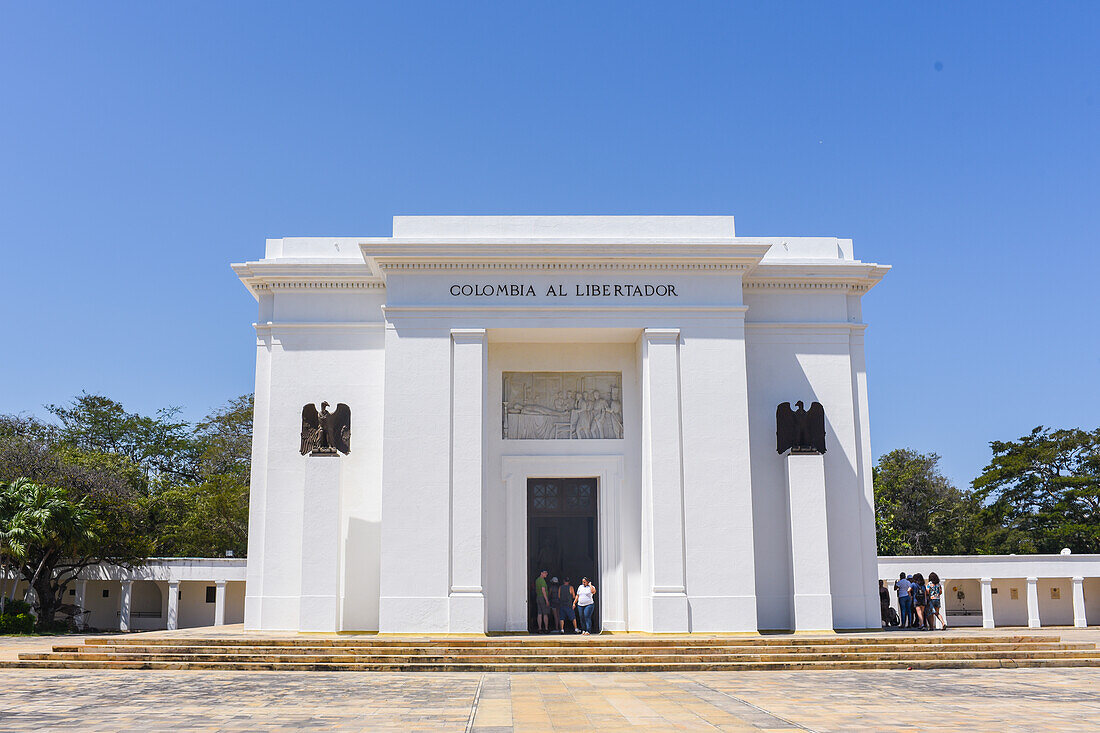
219, 603
1033, 603
662, 484
469, 372
810, 574
987, 603
174, 605
319, 603
1079, 619
81, 595
719, 551
415, 564
124, 605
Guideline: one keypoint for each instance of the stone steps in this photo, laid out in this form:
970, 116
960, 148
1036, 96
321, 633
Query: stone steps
563, 653
545, 652
576, 640
558, 666
551, 658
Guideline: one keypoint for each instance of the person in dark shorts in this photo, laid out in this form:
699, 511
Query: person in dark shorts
566, 594
920, 598
935, 593
555, 615
542, 603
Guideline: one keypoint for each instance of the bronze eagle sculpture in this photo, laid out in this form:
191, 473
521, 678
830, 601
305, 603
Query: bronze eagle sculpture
800, 431
324, 432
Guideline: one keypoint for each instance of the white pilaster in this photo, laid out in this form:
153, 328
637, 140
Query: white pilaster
219, 603
467, 612
813, 600
124, 605
662, 484
174, 605
81, 595
1079, 619
415, 561
987, 603
1033, 603
319, 604
719, 554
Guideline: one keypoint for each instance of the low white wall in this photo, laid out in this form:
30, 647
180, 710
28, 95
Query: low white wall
1008, 573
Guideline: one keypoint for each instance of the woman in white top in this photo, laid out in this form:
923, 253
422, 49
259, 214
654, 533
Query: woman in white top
585, 604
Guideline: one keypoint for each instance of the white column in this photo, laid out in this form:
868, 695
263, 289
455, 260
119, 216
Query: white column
319, 601
1079, 619
415, 560
81, 593
719, 551
662, 484
987, 603
1033, 603
174, 604
813, 600
469, 372
219, 603
124, 605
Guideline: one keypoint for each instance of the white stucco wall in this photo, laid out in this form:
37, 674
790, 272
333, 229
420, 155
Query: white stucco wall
694, 528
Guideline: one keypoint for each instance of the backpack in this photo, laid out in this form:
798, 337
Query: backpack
892, 618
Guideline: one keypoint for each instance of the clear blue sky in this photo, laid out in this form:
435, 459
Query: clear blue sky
145, 146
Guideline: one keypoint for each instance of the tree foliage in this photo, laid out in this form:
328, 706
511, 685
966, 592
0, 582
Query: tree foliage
918, 510
1043, 491
1038, 494
49, 538
134, 486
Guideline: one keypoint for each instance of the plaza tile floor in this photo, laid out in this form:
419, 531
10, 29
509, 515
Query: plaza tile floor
1064, 699
947, 700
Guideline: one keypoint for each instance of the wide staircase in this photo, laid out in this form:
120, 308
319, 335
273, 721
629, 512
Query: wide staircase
565, 654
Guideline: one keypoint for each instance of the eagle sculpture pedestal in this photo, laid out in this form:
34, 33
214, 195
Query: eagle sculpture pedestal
813, 601
319, 604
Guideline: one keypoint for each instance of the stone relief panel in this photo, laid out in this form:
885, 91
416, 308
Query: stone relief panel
562, 405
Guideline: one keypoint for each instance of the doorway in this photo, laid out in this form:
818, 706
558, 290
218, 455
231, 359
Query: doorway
562, 536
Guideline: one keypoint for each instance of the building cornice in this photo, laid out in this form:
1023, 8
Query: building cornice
385, 255
343, 274
853, 278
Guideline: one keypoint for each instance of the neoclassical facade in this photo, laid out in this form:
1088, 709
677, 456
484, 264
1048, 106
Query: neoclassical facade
593, 396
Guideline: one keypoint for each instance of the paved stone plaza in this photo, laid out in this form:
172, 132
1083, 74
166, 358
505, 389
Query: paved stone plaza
943, 700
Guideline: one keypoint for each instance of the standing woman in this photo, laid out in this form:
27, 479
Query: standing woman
920, 598
935, 593
585, 604
566, 597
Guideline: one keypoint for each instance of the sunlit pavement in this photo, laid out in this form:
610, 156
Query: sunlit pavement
1057, 699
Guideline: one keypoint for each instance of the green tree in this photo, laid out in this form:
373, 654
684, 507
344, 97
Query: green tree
13, 539
209, 516
918, 511
1042, 492
47, 534
162, 446
108, 486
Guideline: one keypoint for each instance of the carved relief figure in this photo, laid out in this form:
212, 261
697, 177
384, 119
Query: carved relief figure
324, 432
562, 406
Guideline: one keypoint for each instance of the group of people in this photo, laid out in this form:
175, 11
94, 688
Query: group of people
594, 415
562, 602
919, 602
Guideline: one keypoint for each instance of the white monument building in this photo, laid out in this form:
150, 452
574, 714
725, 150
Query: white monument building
592, 396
